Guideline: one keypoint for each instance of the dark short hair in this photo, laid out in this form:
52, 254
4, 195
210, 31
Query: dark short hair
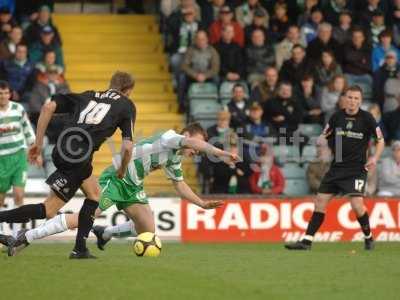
21, 45
4, 85
122, 81
285, 82
385, 33
236, 85
358, 29
298, 46
307, 77
354, 88
195, 128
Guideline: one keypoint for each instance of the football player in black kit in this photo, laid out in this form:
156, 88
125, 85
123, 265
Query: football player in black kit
349, 132
93, 117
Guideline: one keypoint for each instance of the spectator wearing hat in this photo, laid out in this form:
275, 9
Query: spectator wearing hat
356, 62
391, 123
238, 107
294, 68
283, 49
267, 178
376, 27
245, 13
255, 128
34, 32
389, 173
323, 41
342, 32
326, 69
231, 56
47, 42
388, 70
266, 89
379, 51
259, 55
317, 168
284, 111
334, 8
232, 178
258, 23
9, 45
280, 22
226, 18
310, 28
310, 102
19, 73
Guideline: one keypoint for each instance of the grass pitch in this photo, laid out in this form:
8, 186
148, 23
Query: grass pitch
199, 271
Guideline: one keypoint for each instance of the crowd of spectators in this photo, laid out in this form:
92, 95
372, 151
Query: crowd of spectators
294, 59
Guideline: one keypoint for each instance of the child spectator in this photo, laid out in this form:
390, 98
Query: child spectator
34, 31
310, 102
231, 56
259, 56
342, 32
19, 72
267, 178
245, 13
9, 45
309, 29
255, 127
294, 69
319, 166
389, 173
266, 89
283, 49
326, 69
280, 22
330, 95
226, 18
258, 23
380, 50
238, 107
47, 42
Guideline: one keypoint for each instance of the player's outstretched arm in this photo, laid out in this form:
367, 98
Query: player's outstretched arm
46, 114
186, 193
205, 147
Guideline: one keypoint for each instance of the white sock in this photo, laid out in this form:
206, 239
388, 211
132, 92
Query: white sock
15, 228
127, 228
55, 225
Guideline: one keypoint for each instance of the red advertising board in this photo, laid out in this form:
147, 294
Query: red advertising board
276, 220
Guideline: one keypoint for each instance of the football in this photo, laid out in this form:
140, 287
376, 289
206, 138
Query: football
147, 244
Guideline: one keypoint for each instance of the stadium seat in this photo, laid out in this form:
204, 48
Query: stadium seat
203, 91
204, 107
387, 152
285, 153
309, 153
296, 187
225, 90
310, 129
206, 122
293, 170
35, 172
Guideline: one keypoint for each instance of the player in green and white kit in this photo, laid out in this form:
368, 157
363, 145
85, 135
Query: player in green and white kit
16, 135
165, 151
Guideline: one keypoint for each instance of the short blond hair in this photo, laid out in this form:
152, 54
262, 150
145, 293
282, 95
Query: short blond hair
122, 81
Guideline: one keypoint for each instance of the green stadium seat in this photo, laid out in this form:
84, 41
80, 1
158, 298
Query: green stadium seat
203, 91
310, 129
293, 171
296, 187
309, 153
225, 91
285, 153
204, 107
35, 172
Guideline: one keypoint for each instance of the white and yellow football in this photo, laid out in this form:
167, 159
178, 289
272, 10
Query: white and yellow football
147, 244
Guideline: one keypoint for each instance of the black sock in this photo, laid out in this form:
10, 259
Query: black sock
85, 223
364, 223
24, 213
316, 221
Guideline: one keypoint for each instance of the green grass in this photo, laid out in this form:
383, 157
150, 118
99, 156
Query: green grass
207, 272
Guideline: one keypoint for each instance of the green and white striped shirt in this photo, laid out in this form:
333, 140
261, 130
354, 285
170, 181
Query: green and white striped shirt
155, 152
16, 131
